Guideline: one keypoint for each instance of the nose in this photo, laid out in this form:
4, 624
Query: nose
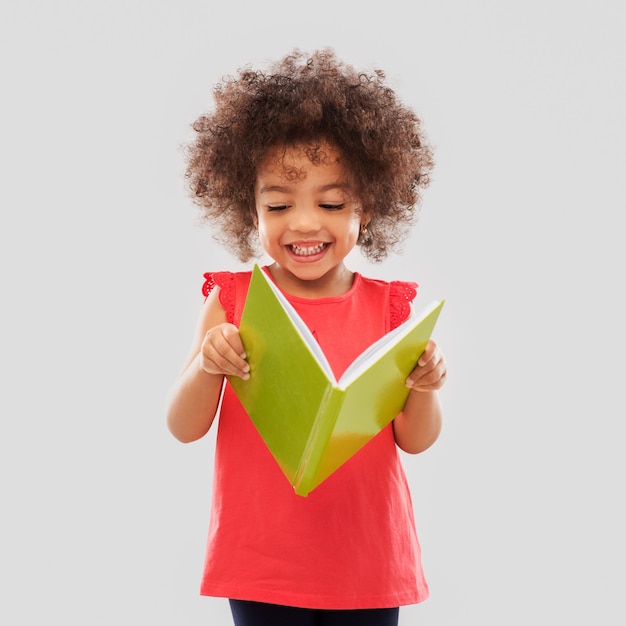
304, 219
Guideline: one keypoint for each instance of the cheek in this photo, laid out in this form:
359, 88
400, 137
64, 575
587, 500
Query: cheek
353, 228
266, 234
262, 231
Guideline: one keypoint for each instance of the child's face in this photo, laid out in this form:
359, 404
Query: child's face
307, 214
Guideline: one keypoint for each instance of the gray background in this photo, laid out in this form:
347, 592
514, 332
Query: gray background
520, 503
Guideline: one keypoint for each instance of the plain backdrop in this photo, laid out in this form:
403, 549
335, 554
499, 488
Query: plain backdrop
519, 505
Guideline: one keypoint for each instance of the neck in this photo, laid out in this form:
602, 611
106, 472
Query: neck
333, 283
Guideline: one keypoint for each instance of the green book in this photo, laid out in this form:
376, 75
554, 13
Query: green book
310, 422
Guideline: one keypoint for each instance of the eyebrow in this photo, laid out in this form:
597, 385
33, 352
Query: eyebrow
281, 188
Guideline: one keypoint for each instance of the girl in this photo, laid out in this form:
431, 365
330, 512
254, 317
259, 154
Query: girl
307, 160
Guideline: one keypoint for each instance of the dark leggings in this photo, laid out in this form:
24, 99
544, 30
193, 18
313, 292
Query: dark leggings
247, 613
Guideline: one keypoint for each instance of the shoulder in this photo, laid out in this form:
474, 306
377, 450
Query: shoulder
223, 280
402, 289
399, 293
229, 288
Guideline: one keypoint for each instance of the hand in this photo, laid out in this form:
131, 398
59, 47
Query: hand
430, 372
222, 352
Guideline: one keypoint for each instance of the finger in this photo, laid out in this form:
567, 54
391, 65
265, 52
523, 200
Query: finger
430, 381
231, 334
428, 372
432, 353
217, 364
423, 367
220, 356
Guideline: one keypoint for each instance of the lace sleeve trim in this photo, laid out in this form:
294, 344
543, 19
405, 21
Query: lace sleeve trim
401, 294
226, 282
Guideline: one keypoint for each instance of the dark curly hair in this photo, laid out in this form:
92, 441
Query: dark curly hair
305, 99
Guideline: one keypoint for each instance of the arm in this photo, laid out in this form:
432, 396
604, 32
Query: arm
418, 426
216, 350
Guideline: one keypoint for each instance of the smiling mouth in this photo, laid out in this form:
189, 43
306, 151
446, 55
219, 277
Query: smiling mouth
308, 250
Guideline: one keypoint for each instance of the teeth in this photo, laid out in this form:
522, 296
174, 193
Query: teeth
300, 251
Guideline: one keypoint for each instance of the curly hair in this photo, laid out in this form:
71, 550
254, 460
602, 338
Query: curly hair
304, 99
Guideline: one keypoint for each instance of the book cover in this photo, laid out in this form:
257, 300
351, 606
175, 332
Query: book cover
311, 422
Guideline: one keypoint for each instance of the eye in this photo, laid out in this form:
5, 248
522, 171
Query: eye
276, 207
332, 207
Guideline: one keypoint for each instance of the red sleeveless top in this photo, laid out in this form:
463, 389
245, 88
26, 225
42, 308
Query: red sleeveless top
351, 543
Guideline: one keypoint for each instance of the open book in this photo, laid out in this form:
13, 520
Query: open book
310, 422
